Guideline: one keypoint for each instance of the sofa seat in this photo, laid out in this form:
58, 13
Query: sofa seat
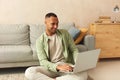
15, 53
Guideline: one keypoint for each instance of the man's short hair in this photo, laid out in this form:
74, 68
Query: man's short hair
48, 15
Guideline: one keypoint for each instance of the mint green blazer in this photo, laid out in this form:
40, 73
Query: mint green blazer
69, 49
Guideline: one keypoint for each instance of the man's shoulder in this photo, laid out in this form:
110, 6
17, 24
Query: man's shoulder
41, 37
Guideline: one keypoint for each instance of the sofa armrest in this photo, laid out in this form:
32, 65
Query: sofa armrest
89, 42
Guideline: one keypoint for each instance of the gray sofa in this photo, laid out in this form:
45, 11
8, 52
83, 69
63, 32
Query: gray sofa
17, 44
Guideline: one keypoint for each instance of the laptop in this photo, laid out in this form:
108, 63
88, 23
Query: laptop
86, 60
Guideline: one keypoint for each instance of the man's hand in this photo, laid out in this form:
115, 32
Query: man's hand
64, 67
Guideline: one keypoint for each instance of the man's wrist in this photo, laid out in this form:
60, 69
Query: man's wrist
57, 68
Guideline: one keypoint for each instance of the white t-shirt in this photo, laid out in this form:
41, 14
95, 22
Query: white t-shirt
55, 49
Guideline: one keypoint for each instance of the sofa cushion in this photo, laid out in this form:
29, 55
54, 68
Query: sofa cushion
74, 32
83, 32
14, 34
66, 26
35, 31
70, 27
16, 53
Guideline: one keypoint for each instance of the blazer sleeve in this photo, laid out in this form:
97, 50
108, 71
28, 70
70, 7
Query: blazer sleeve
43, 59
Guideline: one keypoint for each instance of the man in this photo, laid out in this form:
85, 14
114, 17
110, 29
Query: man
56, 52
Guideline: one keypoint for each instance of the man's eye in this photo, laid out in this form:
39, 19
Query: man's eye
53, 23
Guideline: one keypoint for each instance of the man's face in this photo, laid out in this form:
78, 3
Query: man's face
51, 24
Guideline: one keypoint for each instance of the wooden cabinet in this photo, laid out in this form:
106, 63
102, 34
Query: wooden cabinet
107, 37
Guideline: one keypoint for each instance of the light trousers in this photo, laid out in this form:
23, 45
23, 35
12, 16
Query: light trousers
40, 73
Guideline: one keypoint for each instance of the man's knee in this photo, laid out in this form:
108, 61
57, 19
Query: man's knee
37, 73
29, 73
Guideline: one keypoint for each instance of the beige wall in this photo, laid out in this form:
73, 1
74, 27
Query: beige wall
82, 12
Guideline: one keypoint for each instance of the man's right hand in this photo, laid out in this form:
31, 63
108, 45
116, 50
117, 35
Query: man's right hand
65, 67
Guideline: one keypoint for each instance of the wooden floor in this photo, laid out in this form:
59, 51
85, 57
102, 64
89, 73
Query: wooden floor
12, 74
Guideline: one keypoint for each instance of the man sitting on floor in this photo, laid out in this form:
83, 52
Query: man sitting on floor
56, 51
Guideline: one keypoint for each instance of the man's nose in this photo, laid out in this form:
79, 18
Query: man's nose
55, 26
